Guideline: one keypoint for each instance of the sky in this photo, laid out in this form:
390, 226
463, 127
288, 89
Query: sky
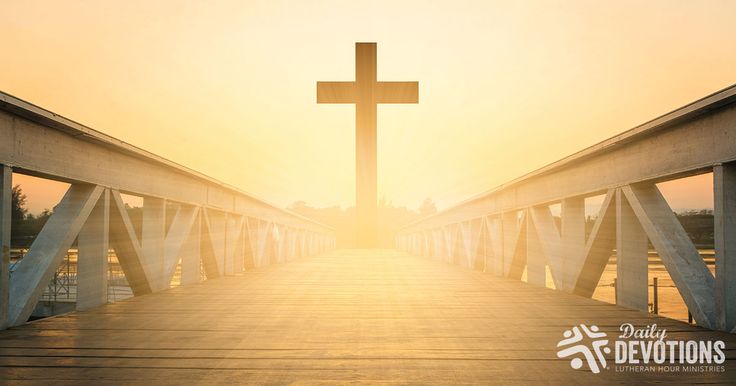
228, 87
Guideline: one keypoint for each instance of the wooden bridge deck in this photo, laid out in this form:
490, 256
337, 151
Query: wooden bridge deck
369, 316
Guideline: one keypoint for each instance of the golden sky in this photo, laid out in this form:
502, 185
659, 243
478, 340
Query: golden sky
228, 87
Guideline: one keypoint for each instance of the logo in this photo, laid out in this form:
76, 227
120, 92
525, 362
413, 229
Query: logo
592, 352
643, 349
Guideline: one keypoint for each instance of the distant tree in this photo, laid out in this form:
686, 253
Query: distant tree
390, 219
298, 206
34, 223
428, 207
135, 213
19, 211
698, 225
24, 226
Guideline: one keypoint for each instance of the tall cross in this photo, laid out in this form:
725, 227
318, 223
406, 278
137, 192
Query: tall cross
365, 93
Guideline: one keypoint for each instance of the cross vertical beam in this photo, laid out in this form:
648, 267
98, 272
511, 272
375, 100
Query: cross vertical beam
366, 145
366, 92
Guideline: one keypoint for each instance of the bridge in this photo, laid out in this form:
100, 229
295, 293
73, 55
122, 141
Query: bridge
265, 297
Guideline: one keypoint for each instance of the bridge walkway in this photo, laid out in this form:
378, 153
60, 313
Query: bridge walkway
349, 315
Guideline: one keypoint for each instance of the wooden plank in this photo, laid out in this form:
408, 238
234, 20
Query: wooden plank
333, 319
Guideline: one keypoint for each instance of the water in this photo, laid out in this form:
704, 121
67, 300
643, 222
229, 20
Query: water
670, 302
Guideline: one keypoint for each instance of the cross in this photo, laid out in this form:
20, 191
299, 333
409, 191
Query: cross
366, 92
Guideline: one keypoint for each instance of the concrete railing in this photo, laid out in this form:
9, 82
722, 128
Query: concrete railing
511, 228
214, 226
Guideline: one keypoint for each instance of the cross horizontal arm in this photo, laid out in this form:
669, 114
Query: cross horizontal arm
336, 92
397, 92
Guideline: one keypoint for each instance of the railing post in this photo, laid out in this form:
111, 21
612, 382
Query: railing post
153, 235
535, 260
93, 246
511, 233
191, 266
572, 238
6, 199
724, 234
631, 257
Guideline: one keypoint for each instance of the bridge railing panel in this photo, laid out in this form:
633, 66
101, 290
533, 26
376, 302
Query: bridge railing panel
192, 226
511, 232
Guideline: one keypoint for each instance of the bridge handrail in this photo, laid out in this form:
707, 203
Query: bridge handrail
692, 110
47, 118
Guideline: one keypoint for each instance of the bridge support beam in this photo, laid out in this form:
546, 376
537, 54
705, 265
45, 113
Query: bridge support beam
124, 240
293, 244
548, 237
239, 263
152, 241
428, 244
535, 262
233, 244
632, 257
494, 245
598, 248
724, 189
464, 244
475, 259
174, 245
248, 251
302, 243
34, 272
514, 243
216, 226
280, 246
572, 237
264, 243
682, 260
272, 244
439, 244
191, 265
93, 247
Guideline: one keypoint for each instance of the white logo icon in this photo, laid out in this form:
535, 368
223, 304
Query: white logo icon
574, 338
